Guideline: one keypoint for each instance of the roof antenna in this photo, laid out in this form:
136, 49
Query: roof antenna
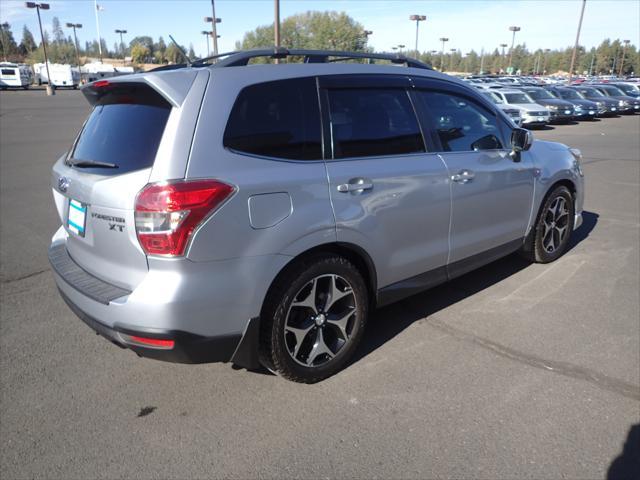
184, 54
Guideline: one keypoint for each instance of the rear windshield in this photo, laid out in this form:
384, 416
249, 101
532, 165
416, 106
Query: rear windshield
124, 129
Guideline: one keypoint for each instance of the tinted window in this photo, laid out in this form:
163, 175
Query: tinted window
461, 124
518, 98
124, 128
277, 119
372, 122
8, 71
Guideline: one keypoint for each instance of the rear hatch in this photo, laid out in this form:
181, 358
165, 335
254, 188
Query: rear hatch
135, 134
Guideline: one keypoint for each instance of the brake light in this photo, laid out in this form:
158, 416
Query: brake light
167, 213
101, 84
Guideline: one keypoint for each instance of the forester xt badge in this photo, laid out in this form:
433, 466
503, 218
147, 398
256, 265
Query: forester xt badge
115, 223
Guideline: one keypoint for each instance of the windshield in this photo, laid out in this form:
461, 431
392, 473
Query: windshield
628, 88
539, 94
518, 98
591, 92
493, 97
612, 91
570, 95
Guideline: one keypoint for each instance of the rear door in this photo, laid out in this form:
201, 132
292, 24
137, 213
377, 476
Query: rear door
96, 183
389, 194
491, 194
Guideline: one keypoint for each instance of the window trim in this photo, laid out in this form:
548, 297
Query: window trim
267, 157
364, 82
501, 124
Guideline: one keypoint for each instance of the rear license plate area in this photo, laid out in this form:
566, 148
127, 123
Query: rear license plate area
77, 218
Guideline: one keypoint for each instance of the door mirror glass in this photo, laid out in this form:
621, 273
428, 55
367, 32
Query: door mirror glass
521, 139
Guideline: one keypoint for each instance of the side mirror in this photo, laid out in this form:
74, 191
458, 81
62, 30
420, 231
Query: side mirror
521, 140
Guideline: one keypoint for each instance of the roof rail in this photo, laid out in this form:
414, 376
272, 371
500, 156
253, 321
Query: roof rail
242, 57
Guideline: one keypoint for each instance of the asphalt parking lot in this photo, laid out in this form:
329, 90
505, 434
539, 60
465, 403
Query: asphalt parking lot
512, 371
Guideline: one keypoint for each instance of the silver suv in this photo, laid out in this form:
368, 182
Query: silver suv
257, 213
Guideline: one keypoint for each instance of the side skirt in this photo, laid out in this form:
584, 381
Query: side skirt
411, 286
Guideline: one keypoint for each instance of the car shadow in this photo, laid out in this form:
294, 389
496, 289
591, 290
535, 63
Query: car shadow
387, 322
626, 466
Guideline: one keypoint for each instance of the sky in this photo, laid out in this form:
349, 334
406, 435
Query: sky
469, 24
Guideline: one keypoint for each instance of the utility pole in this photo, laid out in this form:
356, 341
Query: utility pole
575, 47
214, 30
593, 59
417, 19
624, 51
276, 22
513, 41
44, 6
481, 61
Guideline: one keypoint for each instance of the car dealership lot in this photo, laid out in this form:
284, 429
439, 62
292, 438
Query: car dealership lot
514, 370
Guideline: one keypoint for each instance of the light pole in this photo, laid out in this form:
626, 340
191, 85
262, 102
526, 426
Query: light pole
207, 33
513, 41
400, 47
575, 47
75, 39
503, 58
417, 19
624, 51
443, 40
544, 64
121, 32
453, 51
44, 6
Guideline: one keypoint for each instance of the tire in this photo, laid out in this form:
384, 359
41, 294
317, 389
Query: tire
549, 238
303, 341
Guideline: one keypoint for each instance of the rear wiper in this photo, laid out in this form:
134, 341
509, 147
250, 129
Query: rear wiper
90, 163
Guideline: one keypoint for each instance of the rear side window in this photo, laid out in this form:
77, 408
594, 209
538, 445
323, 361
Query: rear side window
278, 119
461, 125
371, 122
124, 128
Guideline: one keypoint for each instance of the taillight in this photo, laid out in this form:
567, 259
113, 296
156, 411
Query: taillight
167, 213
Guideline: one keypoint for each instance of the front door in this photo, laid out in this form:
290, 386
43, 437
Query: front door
390, 196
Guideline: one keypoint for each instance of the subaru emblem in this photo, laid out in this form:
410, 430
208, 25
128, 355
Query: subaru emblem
63, 184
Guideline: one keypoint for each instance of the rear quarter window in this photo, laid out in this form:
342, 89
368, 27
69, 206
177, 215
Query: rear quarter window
279, 119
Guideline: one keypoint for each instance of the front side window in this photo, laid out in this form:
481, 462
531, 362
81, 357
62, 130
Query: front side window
461, 124
373, 122
278, 119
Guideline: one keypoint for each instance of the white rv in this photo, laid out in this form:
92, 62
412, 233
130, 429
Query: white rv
61, 75
97, 71
14, 75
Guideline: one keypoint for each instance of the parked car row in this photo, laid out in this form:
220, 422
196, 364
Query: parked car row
536, 102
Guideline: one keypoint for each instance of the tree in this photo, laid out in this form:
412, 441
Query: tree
160, 49
145, 41
313, 30
9, 47
173, 54
58, 34
191, 54
139, 53
28, 43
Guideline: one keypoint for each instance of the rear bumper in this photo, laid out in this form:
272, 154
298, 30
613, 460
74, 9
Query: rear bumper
203, 307
188, 348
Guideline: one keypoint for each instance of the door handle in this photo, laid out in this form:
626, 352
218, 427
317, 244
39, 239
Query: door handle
356, 185
463, 176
